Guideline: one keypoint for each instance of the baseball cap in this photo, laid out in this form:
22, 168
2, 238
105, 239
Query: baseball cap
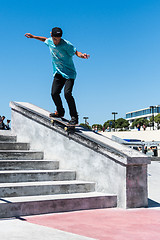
57, 32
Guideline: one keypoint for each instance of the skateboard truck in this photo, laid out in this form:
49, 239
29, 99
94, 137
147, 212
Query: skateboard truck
69, 128
64, 124
52, 121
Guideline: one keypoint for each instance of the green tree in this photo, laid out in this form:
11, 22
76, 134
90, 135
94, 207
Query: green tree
109, 123
140, 121
121, 123
157, 120
85, 126
151, 120
99, 126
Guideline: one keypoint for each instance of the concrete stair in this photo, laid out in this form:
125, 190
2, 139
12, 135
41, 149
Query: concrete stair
20, 154
28, 165
34, 205
6, 138
31, 185
44, 188
14, 146
36, 175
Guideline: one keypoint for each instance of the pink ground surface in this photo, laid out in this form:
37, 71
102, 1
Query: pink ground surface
108, 224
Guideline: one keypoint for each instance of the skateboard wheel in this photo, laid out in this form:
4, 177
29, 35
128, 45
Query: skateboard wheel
52, 121
65, 128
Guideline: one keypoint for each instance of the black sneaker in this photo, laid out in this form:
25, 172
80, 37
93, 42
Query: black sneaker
73, 121
56, 115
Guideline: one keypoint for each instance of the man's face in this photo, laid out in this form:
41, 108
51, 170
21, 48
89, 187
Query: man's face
56, 40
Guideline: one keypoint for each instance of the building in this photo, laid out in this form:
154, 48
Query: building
146, 113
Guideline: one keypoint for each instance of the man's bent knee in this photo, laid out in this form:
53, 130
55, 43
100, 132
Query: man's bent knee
68, 95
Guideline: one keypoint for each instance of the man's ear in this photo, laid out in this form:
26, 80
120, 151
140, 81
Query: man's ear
51, 34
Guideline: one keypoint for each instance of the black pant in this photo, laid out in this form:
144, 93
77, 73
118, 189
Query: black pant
58, 83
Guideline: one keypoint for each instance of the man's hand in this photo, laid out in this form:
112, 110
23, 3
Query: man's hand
82, 55
85, 55
29, 35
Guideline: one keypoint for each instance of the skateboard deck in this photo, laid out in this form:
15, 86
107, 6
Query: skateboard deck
64, 123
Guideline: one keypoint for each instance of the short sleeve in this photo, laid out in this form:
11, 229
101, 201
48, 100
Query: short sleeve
48, 41
70, 49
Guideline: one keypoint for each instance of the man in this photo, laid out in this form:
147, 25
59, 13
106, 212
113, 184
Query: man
2, 125
0, 122
64, 71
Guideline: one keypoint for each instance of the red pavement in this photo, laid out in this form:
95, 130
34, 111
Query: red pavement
108, 224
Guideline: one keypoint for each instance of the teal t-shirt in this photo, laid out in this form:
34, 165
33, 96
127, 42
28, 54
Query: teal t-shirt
62, 58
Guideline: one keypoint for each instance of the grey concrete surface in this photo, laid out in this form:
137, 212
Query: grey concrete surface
4, 136
94, 157
22, 188
28, 164
36, 175
120, 152
34, 205
20, 154
14, 146
6, 133
44, 188
154, 184
15, 229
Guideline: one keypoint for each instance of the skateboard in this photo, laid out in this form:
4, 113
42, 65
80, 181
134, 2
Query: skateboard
64, 123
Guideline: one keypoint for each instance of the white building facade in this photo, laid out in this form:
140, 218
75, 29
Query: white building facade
145, 113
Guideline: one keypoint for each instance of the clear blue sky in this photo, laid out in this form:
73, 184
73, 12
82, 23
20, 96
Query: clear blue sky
122, 37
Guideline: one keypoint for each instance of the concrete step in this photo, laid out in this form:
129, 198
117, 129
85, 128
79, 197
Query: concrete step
23, 206
6, 138
45, 188
21, 154
28, 164
36, 175
14, 146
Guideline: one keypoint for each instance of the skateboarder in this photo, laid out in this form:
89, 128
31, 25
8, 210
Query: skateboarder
64, 71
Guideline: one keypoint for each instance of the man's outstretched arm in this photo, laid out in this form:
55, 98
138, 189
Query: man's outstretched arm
82, 55
29, 35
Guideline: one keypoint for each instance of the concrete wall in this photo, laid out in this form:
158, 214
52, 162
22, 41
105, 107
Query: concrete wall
153, 135
148, 136
108, 166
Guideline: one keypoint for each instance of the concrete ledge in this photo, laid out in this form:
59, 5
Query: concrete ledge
20, 154
97, 142
36, 175
23, 206
4, 137
155, 158
44, 188
28, 164
14, 146
115, 168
